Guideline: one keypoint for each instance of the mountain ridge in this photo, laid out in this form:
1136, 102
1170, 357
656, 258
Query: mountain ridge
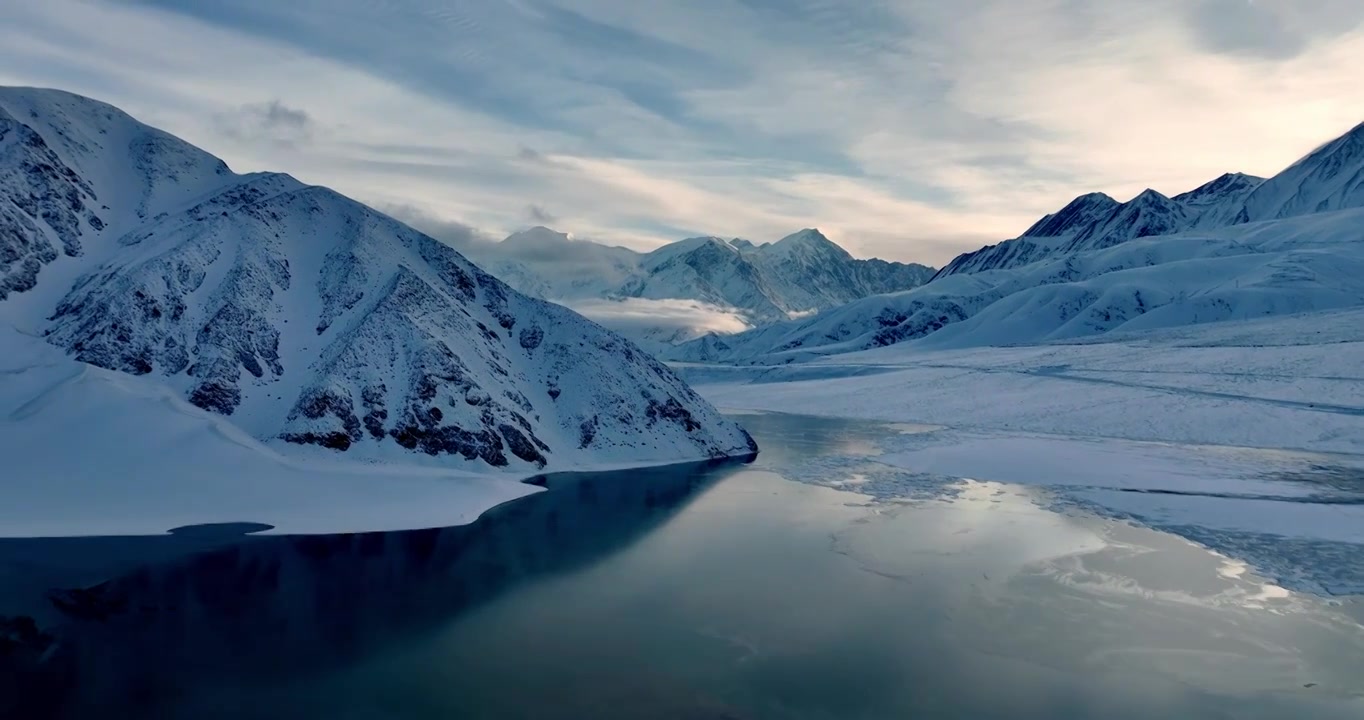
801, 273
1329, 177
305, 317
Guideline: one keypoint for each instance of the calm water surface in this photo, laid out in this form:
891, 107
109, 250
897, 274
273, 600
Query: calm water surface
704, 591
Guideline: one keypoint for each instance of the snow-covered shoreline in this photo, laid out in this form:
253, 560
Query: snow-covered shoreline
1293, 383
89, 452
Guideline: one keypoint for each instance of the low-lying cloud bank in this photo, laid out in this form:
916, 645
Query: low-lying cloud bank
674, 316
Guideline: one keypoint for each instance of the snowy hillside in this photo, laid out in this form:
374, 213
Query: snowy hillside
1329, 178
307, 318
1099, 266
758, 284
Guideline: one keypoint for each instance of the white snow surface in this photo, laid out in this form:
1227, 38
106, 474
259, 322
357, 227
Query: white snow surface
90, 451
1293, 382
310, 326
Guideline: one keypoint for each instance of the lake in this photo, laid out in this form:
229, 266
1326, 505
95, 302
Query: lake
714, 590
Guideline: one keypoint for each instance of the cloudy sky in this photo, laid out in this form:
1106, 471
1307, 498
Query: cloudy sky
906, 129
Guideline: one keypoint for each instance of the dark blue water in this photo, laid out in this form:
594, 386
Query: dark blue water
700, 591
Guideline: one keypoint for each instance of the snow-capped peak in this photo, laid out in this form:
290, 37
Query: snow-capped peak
682, 248
809, 240
1218, 189
1150, 197
1077, 215
537, 236
1217, 202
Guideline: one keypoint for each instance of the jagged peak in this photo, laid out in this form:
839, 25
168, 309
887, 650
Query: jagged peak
807, 238
806, 235
689, 245
692, 243
1150, 197
1082, 208
1092, 199
538, 235
1222, 184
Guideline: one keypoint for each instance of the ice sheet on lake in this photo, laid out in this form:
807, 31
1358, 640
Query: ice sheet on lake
1245, 437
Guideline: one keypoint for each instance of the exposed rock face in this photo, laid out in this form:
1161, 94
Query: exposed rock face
306, 316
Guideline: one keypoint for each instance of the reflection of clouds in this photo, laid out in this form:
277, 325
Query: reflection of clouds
693, 317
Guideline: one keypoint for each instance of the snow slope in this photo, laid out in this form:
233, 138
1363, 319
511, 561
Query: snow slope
1329, 178
305, 317
800, 274
1290, 382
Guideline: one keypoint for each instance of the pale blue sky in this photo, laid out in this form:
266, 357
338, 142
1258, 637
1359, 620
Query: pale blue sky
908, 129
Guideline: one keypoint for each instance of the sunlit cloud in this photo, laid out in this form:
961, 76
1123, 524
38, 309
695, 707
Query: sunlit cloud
906, 129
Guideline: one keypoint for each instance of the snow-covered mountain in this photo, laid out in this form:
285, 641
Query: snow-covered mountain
798, 275
547, 264
1216, 203
1329, 178
305, 316
1089, 222
1238, 247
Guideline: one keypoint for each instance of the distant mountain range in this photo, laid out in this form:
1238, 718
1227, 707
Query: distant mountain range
1236, 247
1327, 179
304, 316
688, 284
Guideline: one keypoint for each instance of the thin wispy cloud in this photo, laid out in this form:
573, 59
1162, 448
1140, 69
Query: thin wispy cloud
907, 129
271, 121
